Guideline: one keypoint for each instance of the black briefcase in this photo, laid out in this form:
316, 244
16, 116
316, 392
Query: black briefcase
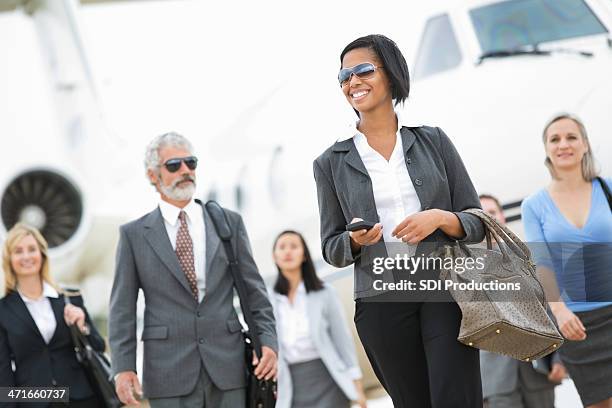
260, 393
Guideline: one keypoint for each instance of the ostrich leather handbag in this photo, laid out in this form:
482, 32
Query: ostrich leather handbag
510, 322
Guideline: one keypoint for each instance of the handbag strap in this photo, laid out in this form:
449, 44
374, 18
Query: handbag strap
224, 231
511, 240
79, 341
606, 191
504, 232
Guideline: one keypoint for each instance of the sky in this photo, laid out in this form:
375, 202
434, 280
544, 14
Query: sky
187, 62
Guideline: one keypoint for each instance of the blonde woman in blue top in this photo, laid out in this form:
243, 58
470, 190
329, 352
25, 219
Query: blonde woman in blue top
569, 224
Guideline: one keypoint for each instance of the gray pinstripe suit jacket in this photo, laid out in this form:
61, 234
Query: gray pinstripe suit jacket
179, 335
344, 191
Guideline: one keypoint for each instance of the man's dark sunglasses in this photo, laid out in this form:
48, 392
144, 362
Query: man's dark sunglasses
362, 71
172, 165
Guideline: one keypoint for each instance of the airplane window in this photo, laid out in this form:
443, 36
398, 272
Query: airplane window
512, 24
439, 50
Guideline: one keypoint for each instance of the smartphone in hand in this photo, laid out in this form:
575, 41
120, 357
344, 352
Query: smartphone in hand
360, 225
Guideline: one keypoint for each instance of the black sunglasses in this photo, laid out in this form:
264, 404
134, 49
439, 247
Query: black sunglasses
362, 71
172, 165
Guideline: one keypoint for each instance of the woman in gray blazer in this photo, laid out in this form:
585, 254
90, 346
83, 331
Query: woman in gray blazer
317, 364
412, 185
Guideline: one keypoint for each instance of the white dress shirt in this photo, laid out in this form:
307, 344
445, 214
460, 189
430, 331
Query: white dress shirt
195, 225
394, 193
41, 311
294, 326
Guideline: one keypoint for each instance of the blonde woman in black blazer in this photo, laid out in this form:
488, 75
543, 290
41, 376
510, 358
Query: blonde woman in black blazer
34, 333
413, 184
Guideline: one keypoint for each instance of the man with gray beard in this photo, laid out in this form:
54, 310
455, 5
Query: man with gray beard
193, 345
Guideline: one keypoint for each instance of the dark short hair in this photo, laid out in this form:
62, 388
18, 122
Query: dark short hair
493, 198
312, 283
392, 59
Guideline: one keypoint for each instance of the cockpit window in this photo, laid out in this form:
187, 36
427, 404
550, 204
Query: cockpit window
512, 24
439, 50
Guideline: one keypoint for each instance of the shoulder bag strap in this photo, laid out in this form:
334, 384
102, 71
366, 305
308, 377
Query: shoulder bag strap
224, 231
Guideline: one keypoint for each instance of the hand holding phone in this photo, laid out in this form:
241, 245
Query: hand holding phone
364, 233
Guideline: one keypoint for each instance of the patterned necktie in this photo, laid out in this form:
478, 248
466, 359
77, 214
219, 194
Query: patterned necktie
184, 252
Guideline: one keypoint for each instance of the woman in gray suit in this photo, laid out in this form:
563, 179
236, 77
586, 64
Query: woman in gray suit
412, 185
317, 365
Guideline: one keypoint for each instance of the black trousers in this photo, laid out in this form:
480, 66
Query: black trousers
415, 354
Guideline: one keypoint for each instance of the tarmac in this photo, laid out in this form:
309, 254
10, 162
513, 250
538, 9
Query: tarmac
566, 396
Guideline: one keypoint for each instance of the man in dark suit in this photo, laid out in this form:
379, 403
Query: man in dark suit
509, 383
193, 347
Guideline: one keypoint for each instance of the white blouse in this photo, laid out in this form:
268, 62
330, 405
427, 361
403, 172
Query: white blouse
294, 330
394, 194
41, 311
